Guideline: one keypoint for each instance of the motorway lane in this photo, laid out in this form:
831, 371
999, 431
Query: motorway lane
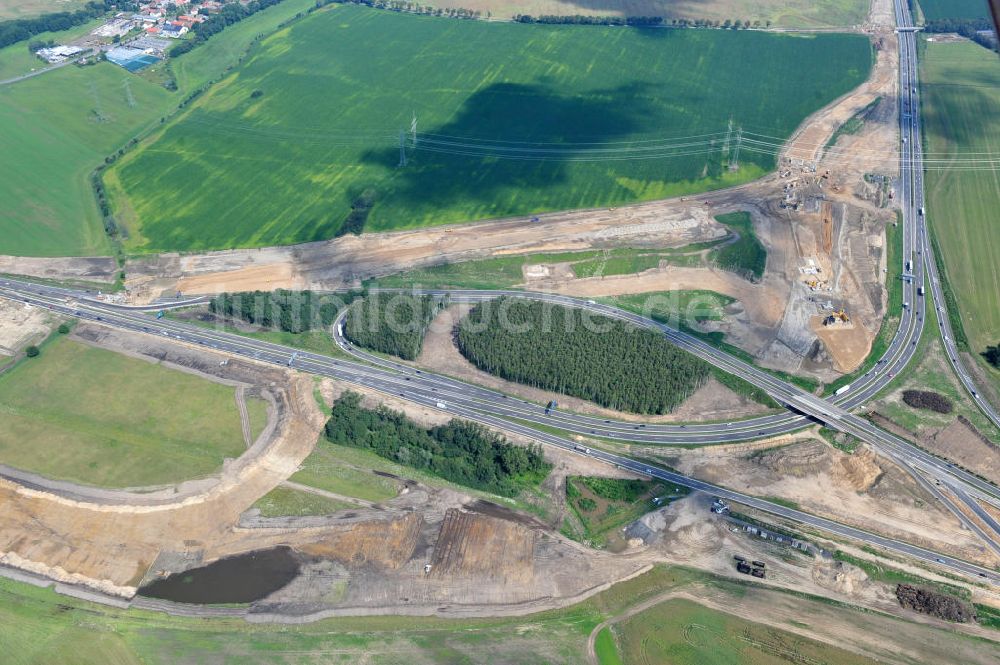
910, 124
356, 373
767, 426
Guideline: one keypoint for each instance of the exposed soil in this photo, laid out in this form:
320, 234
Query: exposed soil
344, 260
861, 489
93, 269
21, 324
470, 544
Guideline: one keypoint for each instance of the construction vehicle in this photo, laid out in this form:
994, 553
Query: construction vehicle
739, 558
759, 564
719, 506
842, 315
743, 567
758, 572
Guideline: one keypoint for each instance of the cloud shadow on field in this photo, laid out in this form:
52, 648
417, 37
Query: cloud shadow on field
513, 116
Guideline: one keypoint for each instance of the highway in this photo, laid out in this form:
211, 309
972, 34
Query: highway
912, 159
389, 381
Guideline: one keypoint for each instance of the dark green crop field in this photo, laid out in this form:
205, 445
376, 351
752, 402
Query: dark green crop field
511, 119
938, 9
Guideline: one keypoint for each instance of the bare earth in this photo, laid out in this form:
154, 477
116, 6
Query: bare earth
860, 489
21, 324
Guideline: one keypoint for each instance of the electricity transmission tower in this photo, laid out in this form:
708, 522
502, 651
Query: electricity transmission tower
734, 165
413, 130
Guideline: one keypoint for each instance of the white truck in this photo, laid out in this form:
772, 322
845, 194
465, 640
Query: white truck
441, 405
841, 390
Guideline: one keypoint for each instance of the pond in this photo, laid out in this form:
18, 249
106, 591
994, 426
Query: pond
239, 579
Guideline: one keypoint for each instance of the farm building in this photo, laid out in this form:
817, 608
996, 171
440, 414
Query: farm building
58, 53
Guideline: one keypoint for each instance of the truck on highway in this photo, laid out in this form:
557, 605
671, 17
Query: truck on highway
920, 290
909, 266
582, 449
841, 390
441, 405
921, 211
550, 407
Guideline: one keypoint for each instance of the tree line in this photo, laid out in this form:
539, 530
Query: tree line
641, 21
460, 451
573, 352
290, 311
17, 30
969, 28
409, 7
230, 13
393, 323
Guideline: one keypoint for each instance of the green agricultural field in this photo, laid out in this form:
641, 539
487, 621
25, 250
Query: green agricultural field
102, 418
308, 126
938, 9
961, 84
681, 632
11, 9
54, 129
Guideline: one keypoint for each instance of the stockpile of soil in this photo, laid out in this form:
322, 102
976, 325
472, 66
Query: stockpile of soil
935, 604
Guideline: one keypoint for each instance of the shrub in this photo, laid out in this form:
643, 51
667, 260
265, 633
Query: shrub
62, 329
924, 399
31, 351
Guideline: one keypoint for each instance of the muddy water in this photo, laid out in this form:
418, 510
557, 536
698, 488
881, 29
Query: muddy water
239, 579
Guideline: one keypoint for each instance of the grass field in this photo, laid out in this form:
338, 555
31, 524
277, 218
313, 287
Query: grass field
97, 417
10, 9
681, 632
937, 9
39, 626
602, 506
961, 84
332, 468
309, 123
287, 502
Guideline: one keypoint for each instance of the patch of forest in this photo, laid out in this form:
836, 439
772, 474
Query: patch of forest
460, 451
290, 311
393, 323
576, 353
